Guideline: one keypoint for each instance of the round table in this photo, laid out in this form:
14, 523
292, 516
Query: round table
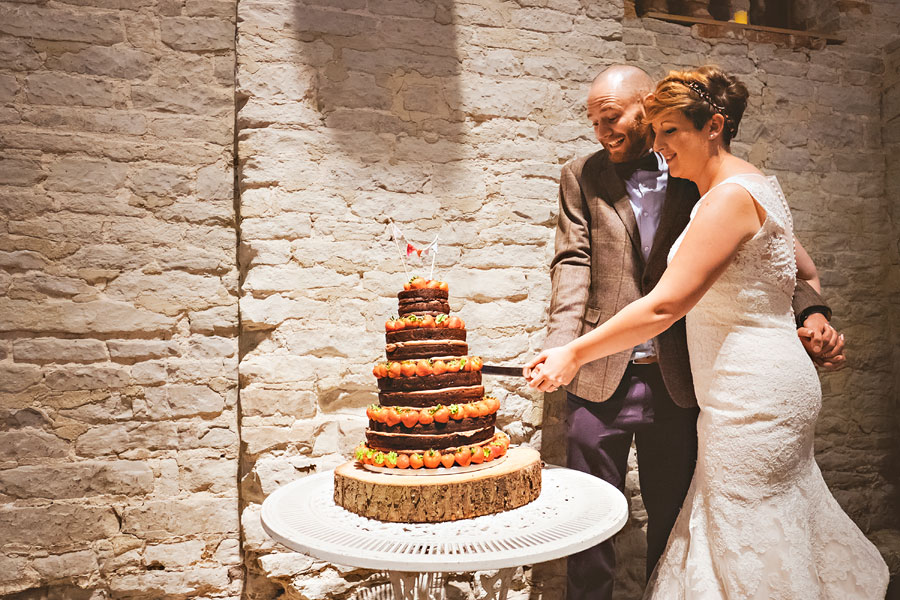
573, 512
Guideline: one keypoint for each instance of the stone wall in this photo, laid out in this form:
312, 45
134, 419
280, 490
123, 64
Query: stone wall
450, 118
130, 466
118, 307
890, 113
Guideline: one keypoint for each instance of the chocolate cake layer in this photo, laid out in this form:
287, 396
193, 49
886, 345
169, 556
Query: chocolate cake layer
425, 333
426, 398
425, 349
450, 426
429, 382
420, 443
423, 294
433, 308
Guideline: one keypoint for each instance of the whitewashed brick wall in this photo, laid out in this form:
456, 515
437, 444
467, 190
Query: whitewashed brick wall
118, 300
129, 464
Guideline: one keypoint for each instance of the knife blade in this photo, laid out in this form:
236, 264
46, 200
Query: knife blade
508, 371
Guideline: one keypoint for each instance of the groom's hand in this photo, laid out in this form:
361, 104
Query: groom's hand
823, 344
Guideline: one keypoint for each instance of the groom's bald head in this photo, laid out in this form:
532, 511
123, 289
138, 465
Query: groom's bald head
625, 81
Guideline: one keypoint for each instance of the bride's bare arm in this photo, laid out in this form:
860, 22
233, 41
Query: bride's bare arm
727, 218
806, 268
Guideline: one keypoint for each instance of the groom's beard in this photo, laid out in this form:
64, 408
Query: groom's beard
638, 141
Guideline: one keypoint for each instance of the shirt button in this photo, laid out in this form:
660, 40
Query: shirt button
646, 248
646, 214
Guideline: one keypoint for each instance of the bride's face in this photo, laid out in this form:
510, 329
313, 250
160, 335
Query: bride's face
685, 148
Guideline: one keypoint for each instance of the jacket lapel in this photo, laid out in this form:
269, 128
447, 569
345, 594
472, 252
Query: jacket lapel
618, 198
674, 218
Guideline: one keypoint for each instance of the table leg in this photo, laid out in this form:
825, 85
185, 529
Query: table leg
417, 586
504, 576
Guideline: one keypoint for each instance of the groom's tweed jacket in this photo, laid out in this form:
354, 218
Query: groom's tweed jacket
598, 269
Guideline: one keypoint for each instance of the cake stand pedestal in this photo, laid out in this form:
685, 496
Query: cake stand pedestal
573, 512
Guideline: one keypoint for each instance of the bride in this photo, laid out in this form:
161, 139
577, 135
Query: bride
759, 521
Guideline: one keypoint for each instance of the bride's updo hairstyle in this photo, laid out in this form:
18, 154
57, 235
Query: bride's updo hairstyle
700, 94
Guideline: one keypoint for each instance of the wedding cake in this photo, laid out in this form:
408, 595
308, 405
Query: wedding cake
432, 411
434, 419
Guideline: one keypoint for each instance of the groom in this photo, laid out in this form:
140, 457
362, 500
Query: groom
619, 214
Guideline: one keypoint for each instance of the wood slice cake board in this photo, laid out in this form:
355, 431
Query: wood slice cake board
410, 499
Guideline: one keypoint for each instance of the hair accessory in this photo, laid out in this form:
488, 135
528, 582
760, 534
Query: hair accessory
704, 95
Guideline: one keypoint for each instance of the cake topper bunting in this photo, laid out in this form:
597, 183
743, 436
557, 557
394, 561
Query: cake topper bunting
430, 249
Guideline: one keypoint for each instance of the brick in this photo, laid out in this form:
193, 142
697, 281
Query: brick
200, 514
542, 20
55, 350
220, 320
70, 564
191, 581
78, 480
61, 25
81, 119
22, 260
20, 172
18, 55
21, 445
160, 180
208, 475
174, 555
87, 378
209, 8
9, 87
98, 317
57, 525
115, 61
179, 401
68, 90
18, 377
102, 440
85, 175
197, 34
130, 351
258, 401
200, 100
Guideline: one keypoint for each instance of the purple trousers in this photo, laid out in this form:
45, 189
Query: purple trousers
599, 438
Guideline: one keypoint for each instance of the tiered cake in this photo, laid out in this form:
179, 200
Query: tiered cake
433, 415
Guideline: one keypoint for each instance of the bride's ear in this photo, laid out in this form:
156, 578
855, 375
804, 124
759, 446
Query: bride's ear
716, 126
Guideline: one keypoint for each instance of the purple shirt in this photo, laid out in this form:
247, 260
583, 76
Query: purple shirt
647, 192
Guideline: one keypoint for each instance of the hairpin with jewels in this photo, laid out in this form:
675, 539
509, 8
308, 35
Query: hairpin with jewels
704, 95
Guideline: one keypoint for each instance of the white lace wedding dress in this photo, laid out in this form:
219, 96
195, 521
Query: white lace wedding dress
758, 521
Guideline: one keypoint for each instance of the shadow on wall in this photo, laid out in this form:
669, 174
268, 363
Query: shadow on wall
387, 88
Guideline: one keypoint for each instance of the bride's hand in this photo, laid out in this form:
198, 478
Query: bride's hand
551, 369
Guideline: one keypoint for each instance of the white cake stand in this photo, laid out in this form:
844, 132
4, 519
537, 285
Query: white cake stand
573, 512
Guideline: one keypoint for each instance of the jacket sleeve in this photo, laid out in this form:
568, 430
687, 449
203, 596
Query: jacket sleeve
807, 301
570, 270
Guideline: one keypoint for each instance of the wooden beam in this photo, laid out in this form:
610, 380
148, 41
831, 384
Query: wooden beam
685, 20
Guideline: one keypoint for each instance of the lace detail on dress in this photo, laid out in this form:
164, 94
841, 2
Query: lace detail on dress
759, 521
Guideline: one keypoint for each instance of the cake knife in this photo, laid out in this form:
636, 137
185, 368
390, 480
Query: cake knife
508, 371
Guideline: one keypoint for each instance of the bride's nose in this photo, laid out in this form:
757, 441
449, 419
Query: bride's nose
657, 143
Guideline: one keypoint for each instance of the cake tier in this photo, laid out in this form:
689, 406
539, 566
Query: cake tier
425, 349
424, 334
420, 443
426, 301
429, 382
451, 426
426, 398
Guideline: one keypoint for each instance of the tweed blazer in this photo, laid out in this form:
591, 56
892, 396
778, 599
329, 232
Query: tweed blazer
598, 269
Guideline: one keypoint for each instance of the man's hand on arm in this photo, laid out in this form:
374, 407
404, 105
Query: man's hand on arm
822, 342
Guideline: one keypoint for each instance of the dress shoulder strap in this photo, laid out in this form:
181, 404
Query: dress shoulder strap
768, 193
